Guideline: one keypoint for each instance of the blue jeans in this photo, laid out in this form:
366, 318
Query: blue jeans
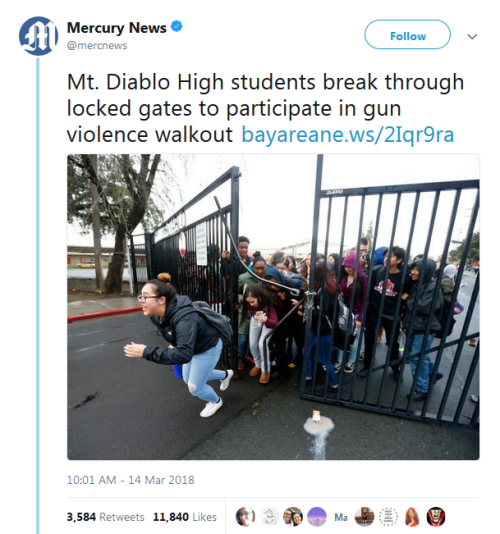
200, 370
427, 367
323, 344
352, 354
243, 344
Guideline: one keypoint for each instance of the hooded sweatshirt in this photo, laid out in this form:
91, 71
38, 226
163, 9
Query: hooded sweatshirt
290, 280
450, 271
186, 330
282, 307
448, 281
378, 256
274, 272
422, 300
346, 290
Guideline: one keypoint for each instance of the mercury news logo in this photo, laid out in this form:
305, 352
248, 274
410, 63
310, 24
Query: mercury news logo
38, 36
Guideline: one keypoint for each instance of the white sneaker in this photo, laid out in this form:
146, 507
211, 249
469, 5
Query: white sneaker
211, 408
224, 384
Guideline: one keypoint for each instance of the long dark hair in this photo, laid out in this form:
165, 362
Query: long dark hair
296, 512
335, 256
357, 280
291, 260
265, 298
276, 257
303, 268
408, 518
324, 278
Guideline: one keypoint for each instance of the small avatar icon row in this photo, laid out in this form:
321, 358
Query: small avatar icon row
364, 517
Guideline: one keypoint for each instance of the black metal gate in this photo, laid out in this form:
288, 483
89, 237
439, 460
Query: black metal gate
191, 252
421, 219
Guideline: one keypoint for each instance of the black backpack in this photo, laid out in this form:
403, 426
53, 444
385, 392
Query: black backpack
221, 323
344, 323
345, 319
445, 309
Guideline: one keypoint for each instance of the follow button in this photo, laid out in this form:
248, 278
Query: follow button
407, 34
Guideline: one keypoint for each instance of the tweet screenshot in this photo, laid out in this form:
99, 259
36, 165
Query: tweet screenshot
246, 239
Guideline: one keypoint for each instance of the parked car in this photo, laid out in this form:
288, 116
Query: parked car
89, 264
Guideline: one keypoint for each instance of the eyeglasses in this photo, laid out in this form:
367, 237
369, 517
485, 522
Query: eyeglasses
141, 298
246, 514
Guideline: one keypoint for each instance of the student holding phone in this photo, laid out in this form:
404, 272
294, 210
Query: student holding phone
264, 319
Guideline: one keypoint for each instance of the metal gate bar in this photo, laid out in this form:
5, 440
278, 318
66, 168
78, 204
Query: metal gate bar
207, 283
360, 389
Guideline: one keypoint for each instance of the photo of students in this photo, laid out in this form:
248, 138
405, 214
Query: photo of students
266, 310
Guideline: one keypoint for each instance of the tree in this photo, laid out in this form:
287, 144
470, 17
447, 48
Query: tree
473, 253
369, 233
124, 184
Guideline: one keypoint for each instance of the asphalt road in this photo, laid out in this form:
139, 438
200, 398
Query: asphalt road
126, 409
123, 409
380, 390
357, 435
464, 297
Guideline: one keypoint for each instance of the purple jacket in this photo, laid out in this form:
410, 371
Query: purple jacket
346, 291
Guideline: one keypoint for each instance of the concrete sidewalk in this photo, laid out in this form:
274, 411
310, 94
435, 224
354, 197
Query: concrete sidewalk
82, 307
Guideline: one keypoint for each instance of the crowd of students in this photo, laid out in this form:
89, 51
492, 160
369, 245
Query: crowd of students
271, 326
394, 302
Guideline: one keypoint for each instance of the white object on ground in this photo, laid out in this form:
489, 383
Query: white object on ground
320, 432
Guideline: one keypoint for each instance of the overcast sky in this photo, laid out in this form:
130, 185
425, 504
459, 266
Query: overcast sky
277, 196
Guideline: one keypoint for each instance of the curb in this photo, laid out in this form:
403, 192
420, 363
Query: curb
95, 315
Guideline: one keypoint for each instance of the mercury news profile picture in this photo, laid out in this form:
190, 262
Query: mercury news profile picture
38, 36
